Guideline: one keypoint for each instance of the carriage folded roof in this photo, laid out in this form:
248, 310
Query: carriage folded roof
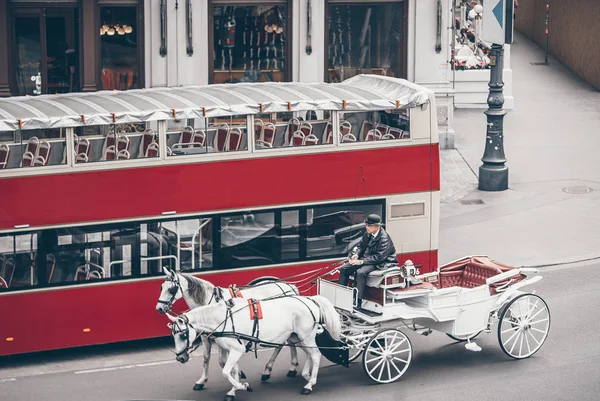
359, 93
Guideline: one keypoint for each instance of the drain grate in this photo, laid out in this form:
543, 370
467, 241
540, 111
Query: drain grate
577, 190
471, 201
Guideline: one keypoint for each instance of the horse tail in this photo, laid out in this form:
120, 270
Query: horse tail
331, 319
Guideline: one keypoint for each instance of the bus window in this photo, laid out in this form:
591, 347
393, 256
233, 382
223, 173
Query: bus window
335, 230
32, 148
208, 135
289, 235
90, 253
303, 128
114, 142
18, 260
186, 242
374, 126
248, 239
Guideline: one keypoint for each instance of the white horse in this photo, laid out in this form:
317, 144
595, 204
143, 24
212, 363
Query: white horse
197, 292
297, 318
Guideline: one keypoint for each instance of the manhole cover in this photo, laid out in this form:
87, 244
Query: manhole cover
472, 201
577, 190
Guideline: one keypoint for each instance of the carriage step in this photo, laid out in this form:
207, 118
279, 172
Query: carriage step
367, 312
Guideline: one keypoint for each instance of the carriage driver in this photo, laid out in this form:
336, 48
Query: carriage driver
375, 251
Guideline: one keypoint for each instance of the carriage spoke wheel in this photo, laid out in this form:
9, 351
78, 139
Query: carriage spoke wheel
462, 338
356, 333
387, 356
355, 339
523, 326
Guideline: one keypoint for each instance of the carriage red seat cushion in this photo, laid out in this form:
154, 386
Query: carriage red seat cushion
473, 271
475, 274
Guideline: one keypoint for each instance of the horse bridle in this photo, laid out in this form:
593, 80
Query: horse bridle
173, 291
185, 335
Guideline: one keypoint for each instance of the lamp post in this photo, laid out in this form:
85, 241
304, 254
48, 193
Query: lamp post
493, 174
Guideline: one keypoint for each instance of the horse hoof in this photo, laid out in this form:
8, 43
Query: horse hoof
292, 373
248, 388
264, 378
242, 375
198, 387
229, 398
306, 391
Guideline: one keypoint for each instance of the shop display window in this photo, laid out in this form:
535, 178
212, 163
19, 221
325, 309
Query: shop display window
250, 43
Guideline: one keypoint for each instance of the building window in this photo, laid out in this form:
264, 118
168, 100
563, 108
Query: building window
365, 39
119, 53
250, 43
45, 44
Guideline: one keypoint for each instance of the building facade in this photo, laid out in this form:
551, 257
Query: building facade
87, 45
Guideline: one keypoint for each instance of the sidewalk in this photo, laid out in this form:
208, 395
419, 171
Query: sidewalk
551, 211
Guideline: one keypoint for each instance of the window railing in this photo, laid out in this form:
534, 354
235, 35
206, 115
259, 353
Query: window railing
143, 142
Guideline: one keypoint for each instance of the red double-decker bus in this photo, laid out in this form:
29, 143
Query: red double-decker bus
234, 183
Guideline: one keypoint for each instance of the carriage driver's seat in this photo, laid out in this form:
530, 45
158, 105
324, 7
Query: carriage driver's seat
376, 277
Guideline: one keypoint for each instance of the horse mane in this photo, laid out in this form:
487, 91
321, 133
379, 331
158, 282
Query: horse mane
199, 290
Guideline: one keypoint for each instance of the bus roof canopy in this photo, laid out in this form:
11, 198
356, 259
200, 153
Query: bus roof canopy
359, 93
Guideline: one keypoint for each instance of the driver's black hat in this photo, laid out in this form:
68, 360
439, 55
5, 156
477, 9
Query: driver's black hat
373, 220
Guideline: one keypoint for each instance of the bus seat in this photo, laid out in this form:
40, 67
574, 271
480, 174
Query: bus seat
234, 140
311, 139
4, 155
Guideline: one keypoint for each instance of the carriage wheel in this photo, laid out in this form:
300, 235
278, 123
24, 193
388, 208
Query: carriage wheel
523, 326
356, 333
463, 337
355, 346
387, 356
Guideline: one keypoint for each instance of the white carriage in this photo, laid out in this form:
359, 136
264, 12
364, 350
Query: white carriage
462, 299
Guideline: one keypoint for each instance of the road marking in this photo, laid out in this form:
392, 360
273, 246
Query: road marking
138, 365
12, 379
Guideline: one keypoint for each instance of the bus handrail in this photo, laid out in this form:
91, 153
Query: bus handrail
200, 248
111, 264
116, 262
144, 259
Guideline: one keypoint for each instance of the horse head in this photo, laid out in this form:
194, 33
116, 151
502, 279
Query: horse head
171, 290
184, 335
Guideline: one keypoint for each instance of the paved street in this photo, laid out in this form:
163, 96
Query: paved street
550, 215
565, 368
551, 146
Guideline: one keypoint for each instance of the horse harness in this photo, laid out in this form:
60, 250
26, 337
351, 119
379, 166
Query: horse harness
184, 334
255, 314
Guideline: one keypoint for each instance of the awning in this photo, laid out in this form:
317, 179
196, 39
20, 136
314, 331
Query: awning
360, 93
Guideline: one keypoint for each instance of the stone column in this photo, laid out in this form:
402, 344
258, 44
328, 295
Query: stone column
88, 46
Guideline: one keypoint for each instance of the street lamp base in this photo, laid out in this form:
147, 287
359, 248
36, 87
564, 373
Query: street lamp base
493, 178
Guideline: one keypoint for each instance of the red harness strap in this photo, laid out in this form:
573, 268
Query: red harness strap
234, 292
255, 309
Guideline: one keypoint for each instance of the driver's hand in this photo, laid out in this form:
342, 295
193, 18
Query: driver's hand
355, 262
354, 257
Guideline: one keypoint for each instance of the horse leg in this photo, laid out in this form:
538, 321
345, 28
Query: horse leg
266, 375
231, 393
315, 356
204, 378
294, 354
307, 366
223, 357
231, 365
